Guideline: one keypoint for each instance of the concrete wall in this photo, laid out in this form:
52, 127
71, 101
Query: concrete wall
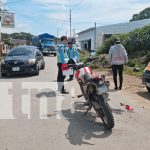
87, 36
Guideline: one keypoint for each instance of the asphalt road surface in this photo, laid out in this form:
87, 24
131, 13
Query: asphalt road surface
34, 117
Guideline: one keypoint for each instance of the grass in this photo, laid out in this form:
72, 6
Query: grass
129, 71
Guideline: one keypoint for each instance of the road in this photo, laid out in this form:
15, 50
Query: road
33, 117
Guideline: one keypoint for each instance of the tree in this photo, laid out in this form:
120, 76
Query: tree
145, 14
22, 36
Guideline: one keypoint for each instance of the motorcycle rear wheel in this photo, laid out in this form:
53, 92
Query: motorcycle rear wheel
105, 113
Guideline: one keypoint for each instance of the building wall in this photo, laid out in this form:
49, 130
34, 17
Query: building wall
90, 35
110, 29
99, 39
123, 27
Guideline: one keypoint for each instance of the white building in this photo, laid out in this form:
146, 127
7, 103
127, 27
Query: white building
87, 38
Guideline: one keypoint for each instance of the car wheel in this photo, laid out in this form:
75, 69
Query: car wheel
37, 70
3, 74
54, 54
148, 88
43, 66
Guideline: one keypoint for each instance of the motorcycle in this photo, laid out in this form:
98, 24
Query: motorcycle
95, 91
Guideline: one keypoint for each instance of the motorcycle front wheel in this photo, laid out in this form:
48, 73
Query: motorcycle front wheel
104, 112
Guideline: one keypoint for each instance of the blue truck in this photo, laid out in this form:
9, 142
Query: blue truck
46, 43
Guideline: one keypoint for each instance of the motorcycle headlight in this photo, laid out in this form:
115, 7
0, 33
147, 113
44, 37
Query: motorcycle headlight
31, 61
3, 62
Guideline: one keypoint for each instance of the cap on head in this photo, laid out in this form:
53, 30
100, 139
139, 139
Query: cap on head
63, 38
117, 40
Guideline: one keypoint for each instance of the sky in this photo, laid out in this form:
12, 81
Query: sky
48, 16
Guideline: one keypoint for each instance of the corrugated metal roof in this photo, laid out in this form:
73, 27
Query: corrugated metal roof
86, 30
121, 27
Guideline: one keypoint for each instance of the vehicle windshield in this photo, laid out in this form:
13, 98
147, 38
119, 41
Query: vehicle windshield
48, 42
21, 51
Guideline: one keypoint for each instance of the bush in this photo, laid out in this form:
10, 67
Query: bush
137, 44
106, 46
131, 63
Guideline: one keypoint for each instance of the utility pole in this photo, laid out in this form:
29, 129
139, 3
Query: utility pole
95, 46
74, 41
70, 23
74, 32
0, 28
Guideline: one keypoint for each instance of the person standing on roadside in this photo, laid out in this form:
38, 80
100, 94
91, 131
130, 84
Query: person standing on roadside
117, 58
73, 56
61, 59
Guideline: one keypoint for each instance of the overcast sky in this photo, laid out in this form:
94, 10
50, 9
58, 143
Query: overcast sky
45, 16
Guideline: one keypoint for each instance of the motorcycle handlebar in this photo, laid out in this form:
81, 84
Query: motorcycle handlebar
75, 66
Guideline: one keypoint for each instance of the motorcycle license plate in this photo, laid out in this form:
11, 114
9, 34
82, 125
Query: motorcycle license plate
102, 90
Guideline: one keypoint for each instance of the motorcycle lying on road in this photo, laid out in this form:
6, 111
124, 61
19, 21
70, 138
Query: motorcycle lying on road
95, 91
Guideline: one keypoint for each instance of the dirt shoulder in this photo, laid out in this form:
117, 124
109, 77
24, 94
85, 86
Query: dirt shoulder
132, 85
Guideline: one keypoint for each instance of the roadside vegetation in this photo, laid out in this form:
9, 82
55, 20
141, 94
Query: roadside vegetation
137, 44
22, 36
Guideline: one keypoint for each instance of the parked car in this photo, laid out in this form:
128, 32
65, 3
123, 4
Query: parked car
146, 77
22, 60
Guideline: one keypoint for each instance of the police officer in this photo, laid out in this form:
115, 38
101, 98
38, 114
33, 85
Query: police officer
73, 56
61, 59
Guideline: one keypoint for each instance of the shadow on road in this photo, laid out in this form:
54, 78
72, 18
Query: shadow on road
83, 128
79, 106
112, 90
46, 94
117, 111
16, 77
145, 95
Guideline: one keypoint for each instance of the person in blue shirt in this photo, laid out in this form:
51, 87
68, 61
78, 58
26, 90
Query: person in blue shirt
61, 56
73, 56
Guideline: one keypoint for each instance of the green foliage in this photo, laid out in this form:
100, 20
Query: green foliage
106, 46
137, 43
129, 71
84, 55
132, 62
22, 36
145, 14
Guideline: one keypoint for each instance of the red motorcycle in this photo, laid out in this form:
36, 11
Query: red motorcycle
95, 91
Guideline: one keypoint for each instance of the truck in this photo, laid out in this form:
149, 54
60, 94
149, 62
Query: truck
46, 43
